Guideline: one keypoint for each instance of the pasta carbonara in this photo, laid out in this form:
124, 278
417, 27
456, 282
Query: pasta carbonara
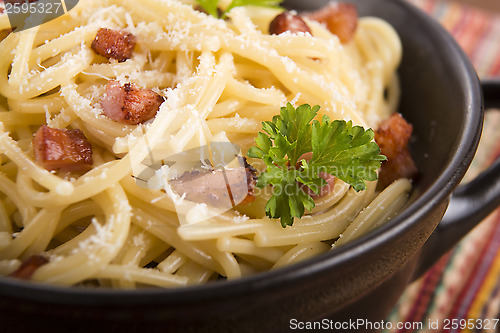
116, 224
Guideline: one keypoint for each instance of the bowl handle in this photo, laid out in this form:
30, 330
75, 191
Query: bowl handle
469, 204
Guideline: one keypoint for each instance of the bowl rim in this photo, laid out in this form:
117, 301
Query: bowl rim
437, 193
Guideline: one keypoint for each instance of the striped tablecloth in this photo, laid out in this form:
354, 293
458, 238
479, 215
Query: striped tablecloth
463, 288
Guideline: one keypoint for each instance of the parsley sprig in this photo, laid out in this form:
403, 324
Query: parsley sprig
338, 148
211, 6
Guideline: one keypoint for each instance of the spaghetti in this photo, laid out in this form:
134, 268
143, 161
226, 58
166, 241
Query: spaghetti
220, 79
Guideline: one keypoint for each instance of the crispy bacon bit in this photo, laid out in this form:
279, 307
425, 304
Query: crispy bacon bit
115, 44
130, 104
28, 267
220, 188
287, 21
62, 149
340, 19
392, 136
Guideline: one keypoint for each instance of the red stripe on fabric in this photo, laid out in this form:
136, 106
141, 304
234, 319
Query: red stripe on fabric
427, 5
475, 295
430, 6
495, 69
496, 290
463, 292
482, 36
460, 27
425, 294
475, 33
496, 155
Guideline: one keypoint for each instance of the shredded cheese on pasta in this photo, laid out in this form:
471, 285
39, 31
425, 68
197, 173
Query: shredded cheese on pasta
220, 80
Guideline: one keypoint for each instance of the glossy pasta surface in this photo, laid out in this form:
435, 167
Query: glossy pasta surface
219, 79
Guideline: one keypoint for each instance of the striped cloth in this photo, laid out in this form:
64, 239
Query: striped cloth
461, 293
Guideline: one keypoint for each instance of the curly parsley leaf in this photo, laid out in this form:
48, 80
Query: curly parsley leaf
338, 148
211, 6
259, 3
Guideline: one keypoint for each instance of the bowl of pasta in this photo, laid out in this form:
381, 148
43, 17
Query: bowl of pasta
229, 165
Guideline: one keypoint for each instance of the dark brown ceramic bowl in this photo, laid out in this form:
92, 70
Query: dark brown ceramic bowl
442, 98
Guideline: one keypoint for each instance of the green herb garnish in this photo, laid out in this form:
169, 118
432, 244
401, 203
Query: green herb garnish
338, 148
211, 6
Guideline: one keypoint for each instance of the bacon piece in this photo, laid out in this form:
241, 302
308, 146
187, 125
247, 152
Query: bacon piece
330, 183
251, 176
130, 104
392, 136
340, 18
220, 188
287, 21
330, 180
28, 267
62, 149
115, 44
